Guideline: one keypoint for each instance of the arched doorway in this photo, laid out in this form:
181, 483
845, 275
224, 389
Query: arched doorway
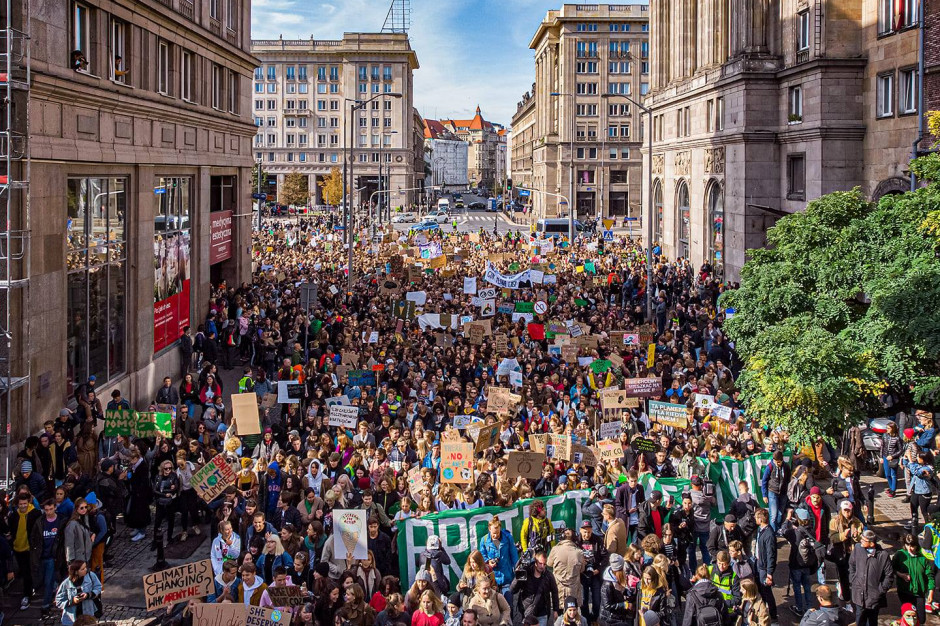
683, 215
658, 212
715, 225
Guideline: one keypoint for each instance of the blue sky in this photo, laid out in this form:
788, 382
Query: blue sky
470, 51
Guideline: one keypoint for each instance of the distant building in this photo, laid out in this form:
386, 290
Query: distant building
483, 156
446, 155
522, 143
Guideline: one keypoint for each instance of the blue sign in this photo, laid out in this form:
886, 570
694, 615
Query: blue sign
524, 193
630, 219
608, 235
259, 196
159, 190
361, 378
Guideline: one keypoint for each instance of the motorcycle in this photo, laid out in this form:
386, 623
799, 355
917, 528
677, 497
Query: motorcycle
871, 438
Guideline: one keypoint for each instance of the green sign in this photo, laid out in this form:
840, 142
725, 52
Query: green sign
589, 267
599, 366
525, 307
580, 302
137, 424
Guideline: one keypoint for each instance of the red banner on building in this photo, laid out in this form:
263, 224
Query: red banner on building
220, 236
171, 288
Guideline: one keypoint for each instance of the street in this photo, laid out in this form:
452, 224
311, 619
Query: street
472, 221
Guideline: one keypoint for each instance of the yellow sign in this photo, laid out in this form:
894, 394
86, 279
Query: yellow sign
651, 356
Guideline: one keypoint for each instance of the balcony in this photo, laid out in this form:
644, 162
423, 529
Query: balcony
802, 56
186, 9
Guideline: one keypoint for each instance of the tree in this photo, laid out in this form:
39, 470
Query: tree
294, 190
254, 179
842, 305
332, 187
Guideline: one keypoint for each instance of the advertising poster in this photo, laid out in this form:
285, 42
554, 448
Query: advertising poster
170, 288
220, 236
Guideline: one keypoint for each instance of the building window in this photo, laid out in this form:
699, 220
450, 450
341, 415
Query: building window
163, 68
645, 49
795, 105
387, 72
272, 87
716, 230
214, 9
231, 15
334, 72
81, 38
302, 72
644, 88
907, 91
171, 250
796, 177
272, 72
720, 113
885, 95
802, 37
97, 278
232, 92
259, 73
586, 177
290, 73
217, 87
658, 222
118, 52
303, 88
186, 77
683, 227
321, 73
272, 105
618, 177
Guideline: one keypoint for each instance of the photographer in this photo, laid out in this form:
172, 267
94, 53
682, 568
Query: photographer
594, 557
593, 508
701, 516
536, 590
536, 529
567, 562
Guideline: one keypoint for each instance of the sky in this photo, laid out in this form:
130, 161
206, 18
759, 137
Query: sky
471, 52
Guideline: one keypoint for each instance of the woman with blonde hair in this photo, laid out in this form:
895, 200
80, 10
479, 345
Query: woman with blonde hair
430, 611
273, 556
421, 584
490, 605
474, 570
753, 608
653, 593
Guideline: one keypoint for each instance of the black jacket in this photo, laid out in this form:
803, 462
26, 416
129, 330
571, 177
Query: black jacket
703, 593
719, 538
613, 610
537, 596
645, 524
872, 577
289, 516
622, 500
766, 552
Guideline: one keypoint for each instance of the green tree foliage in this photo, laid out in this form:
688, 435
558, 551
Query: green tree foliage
294, 190
843, 304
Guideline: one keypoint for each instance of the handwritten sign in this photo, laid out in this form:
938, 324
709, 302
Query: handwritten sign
609, 450
287, 596
456, 462
497, 399
415, 481
485, 436
344, 416
176, 584
525, 464
462, 421
674, 415
350, 536
643, 387
245, 413
703, 401
538, 441
212, 478
561, 445
642, 444
610, 430
219, 613
260, 616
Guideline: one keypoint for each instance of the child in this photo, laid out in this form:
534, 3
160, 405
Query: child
454, 610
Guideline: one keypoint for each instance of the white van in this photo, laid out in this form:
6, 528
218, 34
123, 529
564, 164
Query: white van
556, 228
443, 204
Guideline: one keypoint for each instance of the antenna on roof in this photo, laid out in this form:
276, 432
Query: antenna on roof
398, 19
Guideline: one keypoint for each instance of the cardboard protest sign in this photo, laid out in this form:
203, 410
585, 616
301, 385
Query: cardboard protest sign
647, 333
502, 343
538, 441
456, 462
721, 411
642, 444
610, 430
470, 285
667, 414
703, 401
561, 445
350, 535
211, 479
219, 613
269, 401
415, 481
497, 400
260, 616
569, 353
583, 454
350, 358
344, 416
643, 387
245, 413
118, 423
525, 464
485, 436
287, 596
283, 395
476, 334
176, 584
609, 450
462, 421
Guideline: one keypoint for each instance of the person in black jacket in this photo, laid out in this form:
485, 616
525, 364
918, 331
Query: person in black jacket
537, 592
650, 516
616, 607
703, 594
592, 546
140, 496
286, 514
722, 534
627, 500
872, 577
765, 556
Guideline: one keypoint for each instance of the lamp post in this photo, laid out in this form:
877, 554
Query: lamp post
558, 94
355, 105
379, 213
649, 197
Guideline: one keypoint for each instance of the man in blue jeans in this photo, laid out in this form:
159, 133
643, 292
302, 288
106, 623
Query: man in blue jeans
701, 516
773, 486
46, 534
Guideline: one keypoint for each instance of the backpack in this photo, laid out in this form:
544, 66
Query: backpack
745, 514
806, 550
708, 616
796, 489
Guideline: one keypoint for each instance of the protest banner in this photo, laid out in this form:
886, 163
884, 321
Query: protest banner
219, 613
286, 596
415, 481
569, 353
476, 334
631, 339
470, 285
245, 413
344, 416
525, 464
487, 293
462, 421
361, 378
484, 436
643, 387
211, 479
583, 454
502, 343
674, 415
152, 423
456, 462
721, 411
610, 430
260, 616
283, 395
350, 358
350, 535
176, 584
642, 444
609, 450
118, 423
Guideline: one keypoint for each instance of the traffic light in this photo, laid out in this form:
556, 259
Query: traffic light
508, 184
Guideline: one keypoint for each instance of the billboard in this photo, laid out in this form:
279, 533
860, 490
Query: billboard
220, 236
171, 286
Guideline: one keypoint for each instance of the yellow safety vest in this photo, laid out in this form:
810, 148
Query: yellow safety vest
723, 582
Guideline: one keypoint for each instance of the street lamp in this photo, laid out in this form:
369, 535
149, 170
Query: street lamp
379, 213
355, 105
649, 197
558, 94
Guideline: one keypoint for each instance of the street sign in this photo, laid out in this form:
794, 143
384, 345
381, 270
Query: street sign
608, 235
159, 191
524, 193
259, 196
630, 219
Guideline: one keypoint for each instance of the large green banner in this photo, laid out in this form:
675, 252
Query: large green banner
461, 531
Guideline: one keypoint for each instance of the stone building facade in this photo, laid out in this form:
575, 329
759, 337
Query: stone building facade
138, 184
301, 104
589, 59
486, 152
522, 143
760, 106
447, 156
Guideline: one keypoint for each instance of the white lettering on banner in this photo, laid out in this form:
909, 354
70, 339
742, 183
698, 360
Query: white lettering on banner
494, 277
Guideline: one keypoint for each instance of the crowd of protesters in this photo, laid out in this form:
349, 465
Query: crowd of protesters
637, 558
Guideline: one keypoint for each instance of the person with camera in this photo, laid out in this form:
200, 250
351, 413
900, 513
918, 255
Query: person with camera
594, 556
536, 529
79, 594
721, 535
500, 554
593, 508
566, 560
536, 590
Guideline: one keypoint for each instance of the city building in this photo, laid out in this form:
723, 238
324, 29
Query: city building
813, 97
303, 91
522, 143
447, 156
125, 192
932, 56
585, 136
485, 167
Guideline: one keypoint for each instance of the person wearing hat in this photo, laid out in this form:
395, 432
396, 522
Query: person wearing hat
433, 559
566, 559
872, 577
572, 614
593, 508
915, 573
650, 516
616, 597
701, 516
453, 610
845, 530
909, 616
803, 561
33, 480
723, 534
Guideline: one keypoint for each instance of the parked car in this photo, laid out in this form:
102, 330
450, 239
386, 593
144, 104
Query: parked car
439, 216
403, 218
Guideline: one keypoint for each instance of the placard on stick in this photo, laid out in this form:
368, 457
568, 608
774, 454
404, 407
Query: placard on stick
176, 584
245, 413
456, 462
525, 464
211, 479
350, 534
344, 416
538, 441
562, 446
668, 414
609, 450
219, 613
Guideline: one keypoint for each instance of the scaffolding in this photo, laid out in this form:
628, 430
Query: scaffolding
398, 19
15, 78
